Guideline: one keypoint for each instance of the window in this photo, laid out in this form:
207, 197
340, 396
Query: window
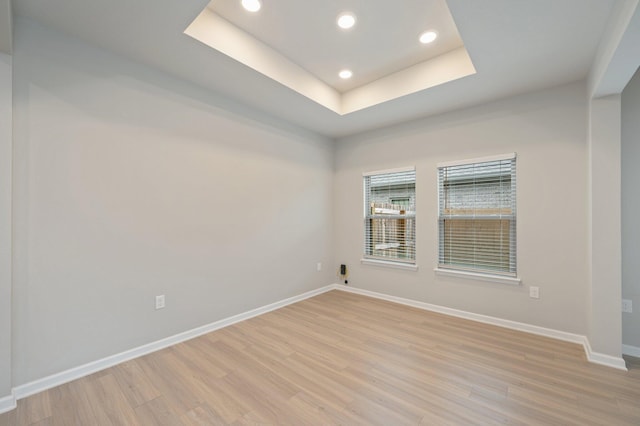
477, 215
390, 215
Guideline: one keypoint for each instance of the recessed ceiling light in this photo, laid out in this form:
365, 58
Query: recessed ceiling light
346, 20
428, 37
345, 74
251, 5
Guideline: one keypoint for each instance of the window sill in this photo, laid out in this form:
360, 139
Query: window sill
387, 264
477, 276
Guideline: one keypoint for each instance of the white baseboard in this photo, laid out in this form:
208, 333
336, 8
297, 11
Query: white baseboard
57, 379
603, 359
7, 403
631, 350
594, 357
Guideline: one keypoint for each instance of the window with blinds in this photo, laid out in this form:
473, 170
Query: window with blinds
477, 215
390, 215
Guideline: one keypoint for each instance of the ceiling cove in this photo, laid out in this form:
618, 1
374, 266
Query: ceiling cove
385, 52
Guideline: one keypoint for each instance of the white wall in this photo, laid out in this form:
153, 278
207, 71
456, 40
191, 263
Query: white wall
604, 222
130, 184
547, 129
5, 224
631, 210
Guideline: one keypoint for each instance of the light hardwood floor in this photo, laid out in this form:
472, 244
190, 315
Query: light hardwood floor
341, 358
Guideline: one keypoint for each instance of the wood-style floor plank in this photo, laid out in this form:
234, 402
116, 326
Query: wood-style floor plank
341, 358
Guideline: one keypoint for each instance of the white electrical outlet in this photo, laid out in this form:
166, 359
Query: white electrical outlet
160, 301
627, 306
319, 266
534, 292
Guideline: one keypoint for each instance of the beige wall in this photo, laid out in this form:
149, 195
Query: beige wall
547, 130
604, 222
5, 224
631, 211
131, 184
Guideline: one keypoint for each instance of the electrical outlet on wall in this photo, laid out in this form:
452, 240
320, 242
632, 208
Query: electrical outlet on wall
160, 301
627, 306
319, 266
534, 292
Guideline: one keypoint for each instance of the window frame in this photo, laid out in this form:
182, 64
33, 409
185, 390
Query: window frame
368, 257
471, 270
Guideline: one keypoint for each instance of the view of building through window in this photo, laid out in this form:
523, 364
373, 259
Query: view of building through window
477, 216
390, 216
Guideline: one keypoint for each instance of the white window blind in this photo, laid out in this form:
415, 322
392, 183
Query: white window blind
390, 216
477, 216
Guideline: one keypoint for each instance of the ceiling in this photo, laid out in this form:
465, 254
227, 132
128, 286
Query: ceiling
387, 62
371, 49
515, 47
